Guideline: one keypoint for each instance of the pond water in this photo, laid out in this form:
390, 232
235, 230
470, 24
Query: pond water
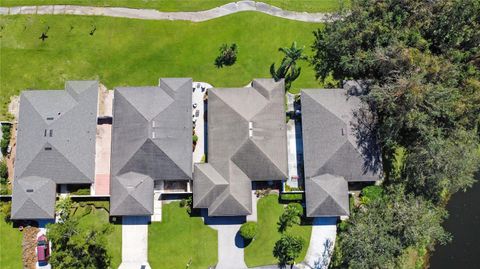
464, 225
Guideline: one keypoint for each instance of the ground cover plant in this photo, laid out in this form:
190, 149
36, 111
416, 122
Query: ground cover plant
260, 251
123, 52
181, 239
186, 5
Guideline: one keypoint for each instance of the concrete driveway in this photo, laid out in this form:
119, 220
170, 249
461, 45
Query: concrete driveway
135, 242
322, 241
230, 243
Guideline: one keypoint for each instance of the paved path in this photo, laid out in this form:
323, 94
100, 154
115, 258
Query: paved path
197, 98
322, 240
152, 14
135, 242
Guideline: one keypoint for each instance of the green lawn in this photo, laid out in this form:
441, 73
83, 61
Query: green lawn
125, 52
259, 252
186, 5
10, 246
179, 239
96, 218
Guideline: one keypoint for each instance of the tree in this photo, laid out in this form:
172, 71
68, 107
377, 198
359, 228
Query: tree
64, 208
290, 216
378, 232
287, 249
73, 247
288, 69
228, 55
76, 247
248, 230
424, 81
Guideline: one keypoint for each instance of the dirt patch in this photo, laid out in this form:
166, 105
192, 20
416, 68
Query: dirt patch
29, 245
105, 101
10, 158
13, 107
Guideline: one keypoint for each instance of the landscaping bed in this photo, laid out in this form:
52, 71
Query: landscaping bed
180, 240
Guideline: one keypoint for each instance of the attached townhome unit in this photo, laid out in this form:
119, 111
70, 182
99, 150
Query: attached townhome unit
246, 143
55, 146
339, 149
151, 144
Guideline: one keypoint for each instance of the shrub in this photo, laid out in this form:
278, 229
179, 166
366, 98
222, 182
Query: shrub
4, 146
248, 230
3, 189
297, 197
189, 204
228, 55
81, 192
3, 181
6, 209
194, 138
371, 193
183, 202
6, 128
3, 170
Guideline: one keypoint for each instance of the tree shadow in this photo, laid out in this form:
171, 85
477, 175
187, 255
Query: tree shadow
365, 129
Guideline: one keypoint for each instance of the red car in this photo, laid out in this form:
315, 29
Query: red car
43, 250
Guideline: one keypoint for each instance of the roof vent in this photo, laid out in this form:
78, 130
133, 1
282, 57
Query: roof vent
51, 133
29, 190
153, 135
45, 133
250, 129
49, 118
343, 132
153, 124
48, 148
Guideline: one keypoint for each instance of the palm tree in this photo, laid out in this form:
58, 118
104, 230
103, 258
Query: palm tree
288, 69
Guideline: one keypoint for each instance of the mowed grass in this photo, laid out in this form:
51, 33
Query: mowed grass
185, 5
10, 245
180, 239
260, 251
125, 52
97, 218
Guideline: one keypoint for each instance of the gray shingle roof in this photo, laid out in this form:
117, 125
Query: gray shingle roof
326, 195
34, 198
246, 142
334, 138
151, 140
56, 143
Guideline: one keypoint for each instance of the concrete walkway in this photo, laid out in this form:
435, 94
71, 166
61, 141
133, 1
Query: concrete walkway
200, 126
135, 242
152, 14
230, 243
322, 241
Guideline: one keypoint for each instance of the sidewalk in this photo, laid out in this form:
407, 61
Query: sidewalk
152, 14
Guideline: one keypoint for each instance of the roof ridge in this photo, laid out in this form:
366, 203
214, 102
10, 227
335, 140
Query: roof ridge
324, 107
69, 161
169, 157
317, 172
266, 156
